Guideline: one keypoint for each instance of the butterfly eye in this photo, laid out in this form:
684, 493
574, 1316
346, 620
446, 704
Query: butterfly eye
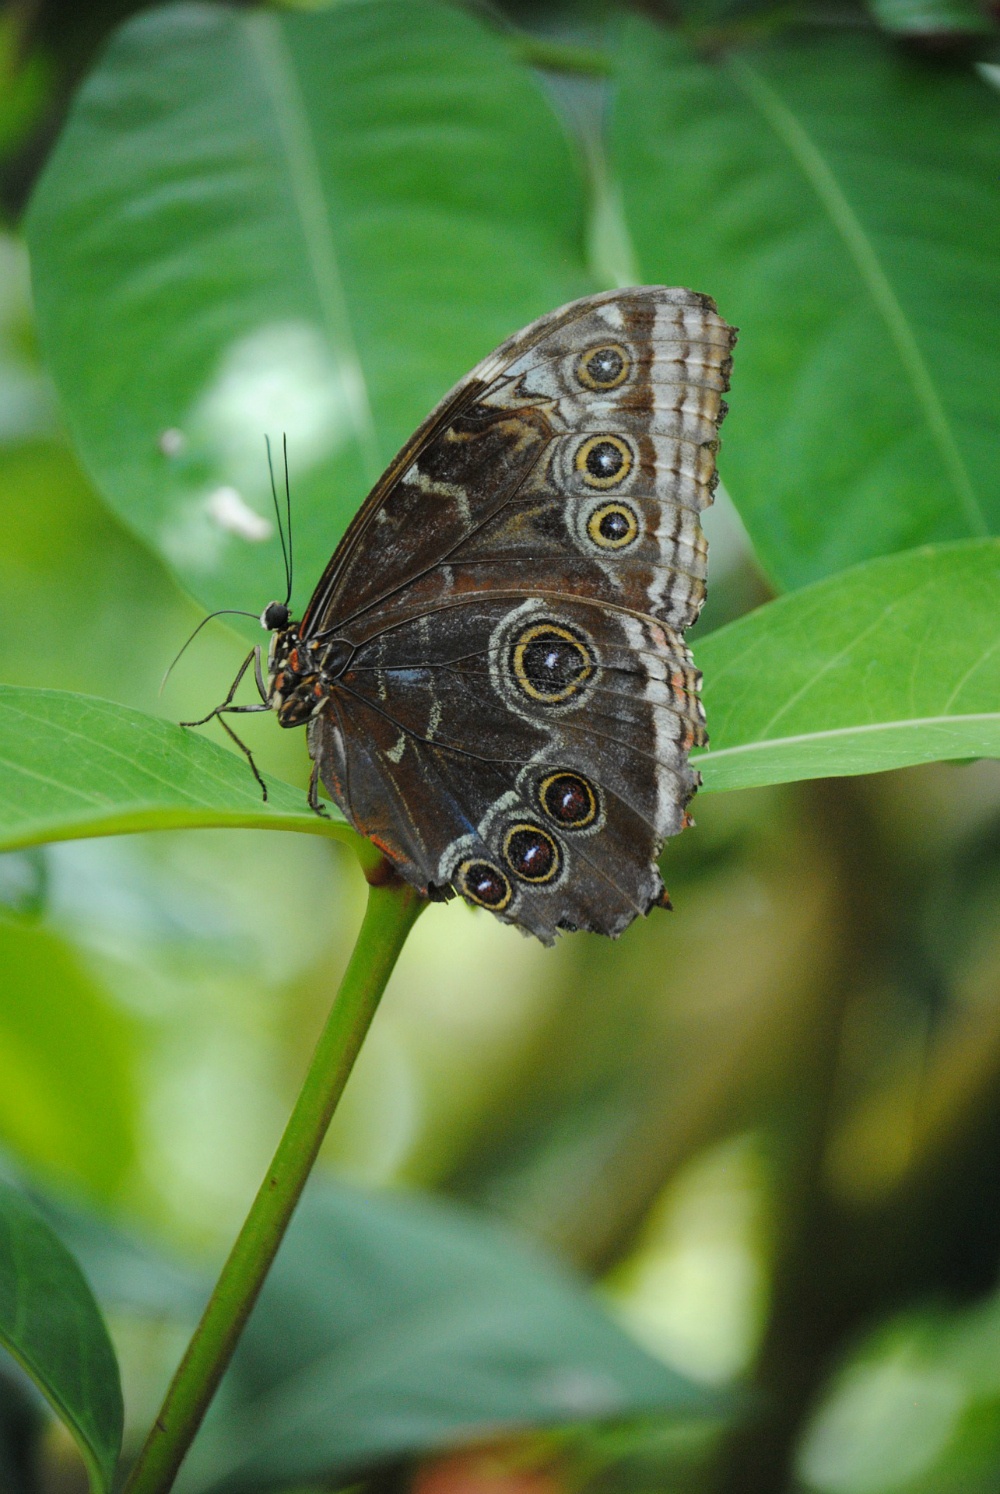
485, 884
550, 663
604, 367
568, 799
604, 461
531, 853
613, 526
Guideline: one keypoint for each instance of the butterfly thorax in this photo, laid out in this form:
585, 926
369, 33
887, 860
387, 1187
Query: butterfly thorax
302, 673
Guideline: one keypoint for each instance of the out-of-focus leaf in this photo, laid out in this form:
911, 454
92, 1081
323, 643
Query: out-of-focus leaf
938, 19
129, 1275
839, 201
51, 1324
71, 765
26, 397
262, 221
892, 663
396, 1325
85, 606
67, 1103
915, 1410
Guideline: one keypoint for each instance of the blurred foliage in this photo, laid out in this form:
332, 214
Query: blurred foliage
769, 1126
52, 1326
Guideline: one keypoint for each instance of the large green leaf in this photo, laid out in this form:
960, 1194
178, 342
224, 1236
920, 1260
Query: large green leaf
51, 1324
839, 201
391, 1325
258, 221
892, 663
73, 766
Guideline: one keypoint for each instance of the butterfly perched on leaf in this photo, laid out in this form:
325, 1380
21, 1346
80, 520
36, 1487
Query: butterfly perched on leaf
492, 668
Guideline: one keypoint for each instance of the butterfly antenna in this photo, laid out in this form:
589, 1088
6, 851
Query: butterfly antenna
277, 515
222, 612
288, 521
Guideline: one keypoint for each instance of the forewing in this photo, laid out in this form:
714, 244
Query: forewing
576, 459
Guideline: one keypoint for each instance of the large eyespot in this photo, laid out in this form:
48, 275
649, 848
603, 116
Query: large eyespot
605, 367
483, 883
604, 461
550, 663
568, 799
531, 853
613, 526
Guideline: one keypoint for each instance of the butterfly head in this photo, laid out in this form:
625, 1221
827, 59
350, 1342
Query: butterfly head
275, 617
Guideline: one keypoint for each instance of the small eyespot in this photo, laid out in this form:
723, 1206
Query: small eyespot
603, 461
483, 883
550, 663
568, 799
531, 853
604, 367
613, 526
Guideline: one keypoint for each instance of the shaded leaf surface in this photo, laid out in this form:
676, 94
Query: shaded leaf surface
71, 765
892, 663
260, 221
392, 1325
839, 201
51, 1324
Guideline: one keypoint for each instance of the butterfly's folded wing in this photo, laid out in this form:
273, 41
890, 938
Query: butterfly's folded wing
544, 516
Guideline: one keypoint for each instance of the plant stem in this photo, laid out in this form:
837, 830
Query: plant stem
392, 909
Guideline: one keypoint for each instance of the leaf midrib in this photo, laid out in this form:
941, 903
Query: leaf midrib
309, 196
824, 183
866, 728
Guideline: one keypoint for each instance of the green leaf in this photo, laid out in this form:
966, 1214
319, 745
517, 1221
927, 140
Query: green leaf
51, 1324
393, 1325
892, 663
71, 766
266, 221
67, 1091
839, 201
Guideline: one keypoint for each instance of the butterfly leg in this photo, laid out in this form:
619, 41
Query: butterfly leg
314, 802
228, 707
227, 704
258, 676
242, 710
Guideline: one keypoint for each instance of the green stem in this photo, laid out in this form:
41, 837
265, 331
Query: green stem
391, 912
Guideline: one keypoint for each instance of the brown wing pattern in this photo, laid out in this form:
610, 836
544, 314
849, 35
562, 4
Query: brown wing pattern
517, 715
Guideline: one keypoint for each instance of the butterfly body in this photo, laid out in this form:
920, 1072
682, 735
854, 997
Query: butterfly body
492, 668
302, 673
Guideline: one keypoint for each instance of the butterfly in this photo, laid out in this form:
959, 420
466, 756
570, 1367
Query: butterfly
492, 669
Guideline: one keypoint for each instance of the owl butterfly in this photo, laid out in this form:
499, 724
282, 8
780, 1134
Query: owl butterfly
492, 667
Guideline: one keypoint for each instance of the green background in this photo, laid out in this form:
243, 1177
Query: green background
765, 1129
